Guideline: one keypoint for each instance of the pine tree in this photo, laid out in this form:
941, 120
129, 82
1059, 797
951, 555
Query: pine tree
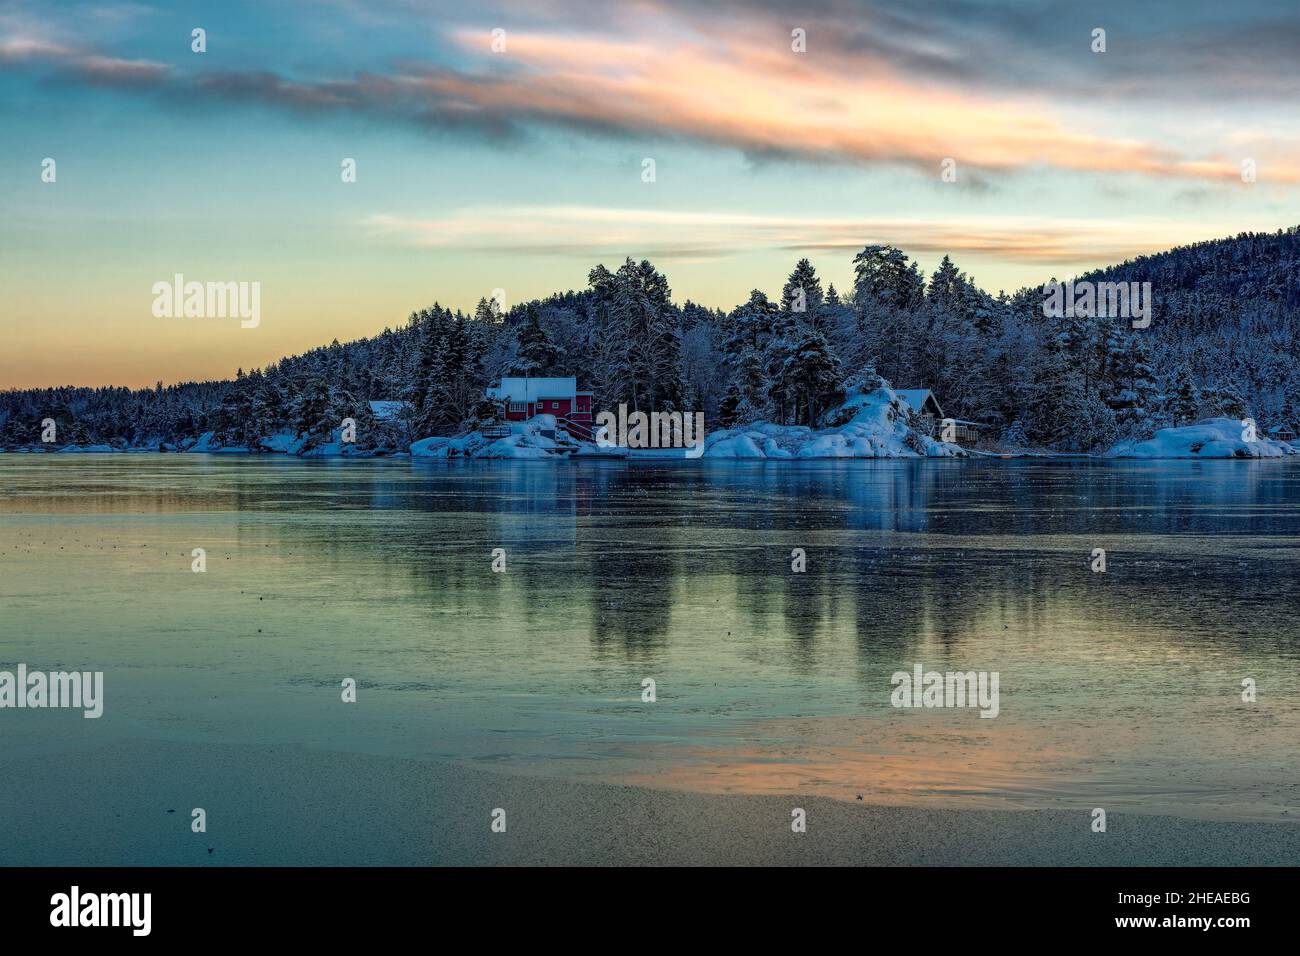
746, 340
947, 286
746, 400
1129, 386
639, 332
488, 311
537, 355
309, 408
1185, 398
1224, 401
884, 275
236, 418
811, 377
1059, 411
802, 280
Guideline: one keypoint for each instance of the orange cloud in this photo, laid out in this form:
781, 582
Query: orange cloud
766, 99
700, 77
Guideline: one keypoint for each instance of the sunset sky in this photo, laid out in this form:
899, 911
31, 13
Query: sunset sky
522, 169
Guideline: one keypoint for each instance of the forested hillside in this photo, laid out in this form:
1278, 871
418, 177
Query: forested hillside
1224, 340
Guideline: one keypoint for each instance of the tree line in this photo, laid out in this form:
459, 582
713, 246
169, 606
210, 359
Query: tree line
1224, 341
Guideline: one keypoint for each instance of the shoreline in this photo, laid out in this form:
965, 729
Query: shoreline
129, 802
972, 455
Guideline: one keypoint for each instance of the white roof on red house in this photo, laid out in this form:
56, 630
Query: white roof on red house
522, 389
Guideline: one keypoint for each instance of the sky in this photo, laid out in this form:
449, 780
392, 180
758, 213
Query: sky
521, 167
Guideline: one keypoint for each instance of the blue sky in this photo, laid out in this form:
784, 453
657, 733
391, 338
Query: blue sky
521, 169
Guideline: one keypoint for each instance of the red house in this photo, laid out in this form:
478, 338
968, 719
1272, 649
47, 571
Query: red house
522, 398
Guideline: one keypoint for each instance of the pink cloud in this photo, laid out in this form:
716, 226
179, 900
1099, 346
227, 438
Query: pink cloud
763, 98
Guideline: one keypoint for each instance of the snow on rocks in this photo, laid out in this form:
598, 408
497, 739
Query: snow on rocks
1212, 438
284, 443
868, 425
288, 443
524, 440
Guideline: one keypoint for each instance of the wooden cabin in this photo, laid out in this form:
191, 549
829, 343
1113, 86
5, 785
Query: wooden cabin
931, 420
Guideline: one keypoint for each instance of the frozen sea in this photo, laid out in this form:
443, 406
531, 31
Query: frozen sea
1120, 689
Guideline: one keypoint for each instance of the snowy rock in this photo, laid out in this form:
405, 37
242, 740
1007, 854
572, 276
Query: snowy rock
866, 425
86, 449
283, 442
1212, 438
736, 443
206, 443
525, 441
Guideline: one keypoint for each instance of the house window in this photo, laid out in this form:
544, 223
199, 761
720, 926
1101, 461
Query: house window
516, 406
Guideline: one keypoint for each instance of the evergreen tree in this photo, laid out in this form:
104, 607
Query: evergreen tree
309, 408
811, 377
536, 355
488, 311
746, 400
1185, 398
883, 274
802, 280
1129, 386
947, 287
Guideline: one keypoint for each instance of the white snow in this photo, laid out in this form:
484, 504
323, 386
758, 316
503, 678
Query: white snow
287, 443
283, 442
207, 444
524, 441
86, 449
527, 389
872, 425
1212, 438
867, 425
915, 397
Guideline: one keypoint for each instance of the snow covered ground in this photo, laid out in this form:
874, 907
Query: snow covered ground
1212, 438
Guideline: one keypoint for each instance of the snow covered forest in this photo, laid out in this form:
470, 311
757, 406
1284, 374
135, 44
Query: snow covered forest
1224, 341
